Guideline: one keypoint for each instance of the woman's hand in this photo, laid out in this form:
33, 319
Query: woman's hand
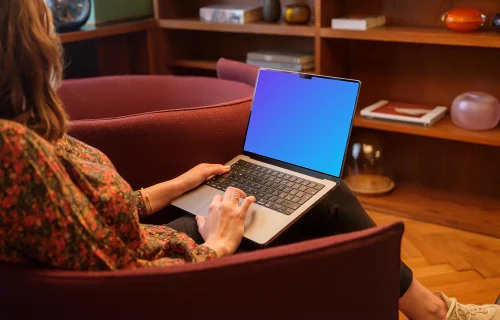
225, 224
200, 174
163, 193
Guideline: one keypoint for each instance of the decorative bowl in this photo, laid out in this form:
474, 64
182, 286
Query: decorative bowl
464, 19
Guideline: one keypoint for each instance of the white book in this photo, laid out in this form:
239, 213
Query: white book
404, 112
231, 13
358, 22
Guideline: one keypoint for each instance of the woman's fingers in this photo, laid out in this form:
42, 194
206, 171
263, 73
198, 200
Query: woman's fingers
215, 169
246, 205
233, 195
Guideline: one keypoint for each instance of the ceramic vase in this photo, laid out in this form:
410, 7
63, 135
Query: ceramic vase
475, 111
271, 9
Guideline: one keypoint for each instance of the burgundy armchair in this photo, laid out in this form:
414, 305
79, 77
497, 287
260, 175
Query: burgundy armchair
165, 131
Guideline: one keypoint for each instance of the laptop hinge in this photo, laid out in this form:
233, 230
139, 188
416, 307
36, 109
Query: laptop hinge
288, 166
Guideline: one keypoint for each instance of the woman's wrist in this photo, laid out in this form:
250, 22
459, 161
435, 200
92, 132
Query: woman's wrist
160, 195
219, 249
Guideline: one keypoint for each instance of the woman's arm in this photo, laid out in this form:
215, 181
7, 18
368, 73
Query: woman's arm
45, 217
160, 195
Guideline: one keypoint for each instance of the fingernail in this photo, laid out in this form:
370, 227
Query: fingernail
227, 167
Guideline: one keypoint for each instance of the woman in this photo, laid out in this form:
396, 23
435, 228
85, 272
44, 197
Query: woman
63, 205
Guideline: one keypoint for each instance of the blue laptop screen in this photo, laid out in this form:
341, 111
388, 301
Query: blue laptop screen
302, 121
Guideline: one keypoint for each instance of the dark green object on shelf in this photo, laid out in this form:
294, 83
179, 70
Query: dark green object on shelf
108, 11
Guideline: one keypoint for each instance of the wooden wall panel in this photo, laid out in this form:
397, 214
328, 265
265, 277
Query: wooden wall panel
418, 73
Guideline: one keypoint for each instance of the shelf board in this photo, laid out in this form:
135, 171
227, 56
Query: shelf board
258, 27
459, 211
444, 129
91, 32
440, 36
194, 64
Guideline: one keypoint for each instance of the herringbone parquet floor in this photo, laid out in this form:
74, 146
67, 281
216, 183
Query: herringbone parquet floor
463, 265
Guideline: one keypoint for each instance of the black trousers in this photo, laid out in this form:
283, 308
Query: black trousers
340, 212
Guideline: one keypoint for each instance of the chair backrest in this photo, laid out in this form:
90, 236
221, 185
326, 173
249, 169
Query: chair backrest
237, 71
351, 276
112, 96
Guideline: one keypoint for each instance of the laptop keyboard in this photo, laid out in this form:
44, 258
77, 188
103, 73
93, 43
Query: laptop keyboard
273, 189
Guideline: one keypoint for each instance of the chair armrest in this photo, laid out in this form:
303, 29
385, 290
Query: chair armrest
237, 71
152, 147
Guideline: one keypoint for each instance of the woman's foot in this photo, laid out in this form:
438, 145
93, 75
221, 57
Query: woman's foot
458, 311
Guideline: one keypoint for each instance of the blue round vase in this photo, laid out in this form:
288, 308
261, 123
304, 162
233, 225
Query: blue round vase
69, 15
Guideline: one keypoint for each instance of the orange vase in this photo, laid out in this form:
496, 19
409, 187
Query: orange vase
464, 19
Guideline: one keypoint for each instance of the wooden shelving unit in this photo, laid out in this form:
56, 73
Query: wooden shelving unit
444, 174
250, 28
95, 32
444, 129
193, 63
441, 207
422, 35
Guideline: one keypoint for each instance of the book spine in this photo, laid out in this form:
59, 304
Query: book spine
257, 56
253, 15
281, 66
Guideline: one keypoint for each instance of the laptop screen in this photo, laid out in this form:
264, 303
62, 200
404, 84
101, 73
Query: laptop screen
302, 120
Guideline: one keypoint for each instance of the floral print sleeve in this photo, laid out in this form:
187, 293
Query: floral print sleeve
64, 205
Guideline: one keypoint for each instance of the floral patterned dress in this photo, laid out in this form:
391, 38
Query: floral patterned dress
64, 205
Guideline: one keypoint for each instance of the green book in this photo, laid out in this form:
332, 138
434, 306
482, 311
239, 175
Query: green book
107, 11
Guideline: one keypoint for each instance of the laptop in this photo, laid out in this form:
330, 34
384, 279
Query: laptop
293, 154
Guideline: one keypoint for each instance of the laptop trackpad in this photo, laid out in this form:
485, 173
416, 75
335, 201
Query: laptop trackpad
203, 211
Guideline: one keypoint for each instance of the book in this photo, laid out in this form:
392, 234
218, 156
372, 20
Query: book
282, 66
358, 22
281, 56
404, 112
231, 13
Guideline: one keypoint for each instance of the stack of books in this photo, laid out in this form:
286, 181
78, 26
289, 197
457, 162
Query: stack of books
358, 22
282, 60
231, 13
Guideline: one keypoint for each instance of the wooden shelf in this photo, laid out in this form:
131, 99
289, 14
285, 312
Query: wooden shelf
440, 36
258, 27
444, 129
460, 211
194, 64
92, 32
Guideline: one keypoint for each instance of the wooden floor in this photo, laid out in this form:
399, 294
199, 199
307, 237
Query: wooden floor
462, 264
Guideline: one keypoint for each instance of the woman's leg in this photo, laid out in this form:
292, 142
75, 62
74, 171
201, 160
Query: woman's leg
341, 212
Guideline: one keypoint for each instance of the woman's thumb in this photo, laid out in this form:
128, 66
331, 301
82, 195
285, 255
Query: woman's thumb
200, 220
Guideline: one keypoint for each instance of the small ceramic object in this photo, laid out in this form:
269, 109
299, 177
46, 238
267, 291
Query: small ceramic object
298, 14
271, 10
475, 111
495, 22
464, 19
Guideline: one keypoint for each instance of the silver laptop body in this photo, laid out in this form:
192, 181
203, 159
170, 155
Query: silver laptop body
292, 163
